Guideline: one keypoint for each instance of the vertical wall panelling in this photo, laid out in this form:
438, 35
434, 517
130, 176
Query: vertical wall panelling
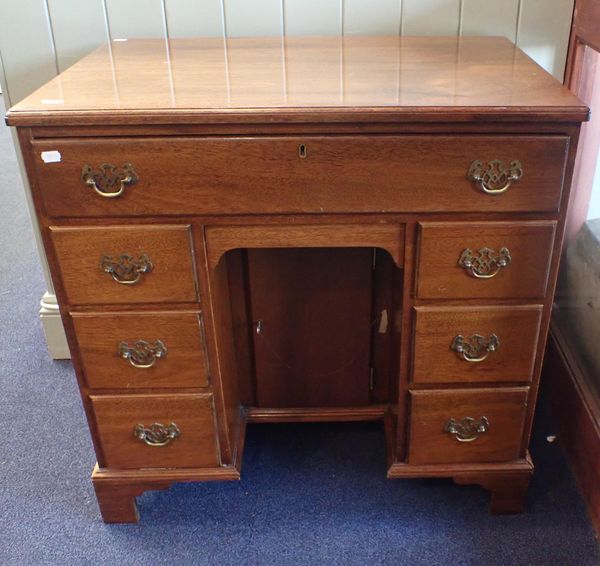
194, 18
361, 17
3, 84
431, 17
78, 28
490, 18
252, 18
27, 48
29, 60
544, 32
313, 17
135, 18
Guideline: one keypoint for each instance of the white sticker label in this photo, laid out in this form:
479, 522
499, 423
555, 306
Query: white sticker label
383, 322
51, 156
52, 101
119, 39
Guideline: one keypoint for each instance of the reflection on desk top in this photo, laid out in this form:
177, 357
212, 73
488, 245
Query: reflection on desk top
278, 79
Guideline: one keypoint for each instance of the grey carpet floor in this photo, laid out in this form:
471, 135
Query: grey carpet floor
310, 494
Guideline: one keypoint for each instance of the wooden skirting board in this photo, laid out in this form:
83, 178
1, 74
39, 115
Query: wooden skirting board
576, 411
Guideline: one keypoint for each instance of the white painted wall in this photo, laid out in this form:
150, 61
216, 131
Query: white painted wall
594, 210
40, 38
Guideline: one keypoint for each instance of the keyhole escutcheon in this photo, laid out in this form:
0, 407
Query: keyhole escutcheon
302, 151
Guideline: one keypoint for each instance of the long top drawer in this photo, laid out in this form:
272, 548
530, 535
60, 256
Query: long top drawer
294, 174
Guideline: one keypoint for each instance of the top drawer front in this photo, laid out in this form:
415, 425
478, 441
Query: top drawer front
299, 174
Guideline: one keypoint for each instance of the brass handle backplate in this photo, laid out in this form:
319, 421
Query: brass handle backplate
467, 429
495, 177
125, 269
142, 354
107, 181
485, 263
475, 348
156, 435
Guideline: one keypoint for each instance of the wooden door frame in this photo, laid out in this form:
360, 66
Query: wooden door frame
585, 12
573, 402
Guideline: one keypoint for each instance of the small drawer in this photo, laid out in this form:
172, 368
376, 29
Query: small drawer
484, 260
475, 344
142, 349
124, 264
461, 426
152, 431
300, 174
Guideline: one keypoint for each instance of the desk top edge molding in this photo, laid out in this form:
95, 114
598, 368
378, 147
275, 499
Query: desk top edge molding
266, 80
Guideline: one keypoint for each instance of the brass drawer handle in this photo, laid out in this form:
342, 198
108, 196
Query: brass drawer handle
494, 178
125, 269
467, 429
475, 348
107, 181
158, 434
485, 263
142, 354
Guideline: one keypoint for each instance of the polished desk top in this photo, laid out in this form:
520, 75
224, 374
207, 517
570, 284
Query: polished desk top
334, 78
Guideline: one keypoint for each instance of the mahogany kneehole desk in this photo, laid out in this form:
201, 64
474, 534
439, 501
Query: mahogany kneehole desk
370, 231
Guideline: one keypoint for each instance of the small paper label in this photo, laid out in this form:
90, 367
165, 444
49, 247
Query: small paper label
383, 322
51, 156
119, 39
52, 101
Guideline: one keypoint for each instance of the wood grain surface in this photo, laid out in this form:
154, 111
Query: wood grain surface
79, 252
236, 175
441, 244
117, 417
99, 335
517, 329
315, 312
430, 411
387, 236
398, 78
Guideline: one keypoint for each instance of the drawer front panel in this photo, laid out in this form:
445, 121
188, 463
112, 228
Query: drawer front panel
130, 435
377, 173
160, 267
171, 353
439, 433
491, 260
475, 344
